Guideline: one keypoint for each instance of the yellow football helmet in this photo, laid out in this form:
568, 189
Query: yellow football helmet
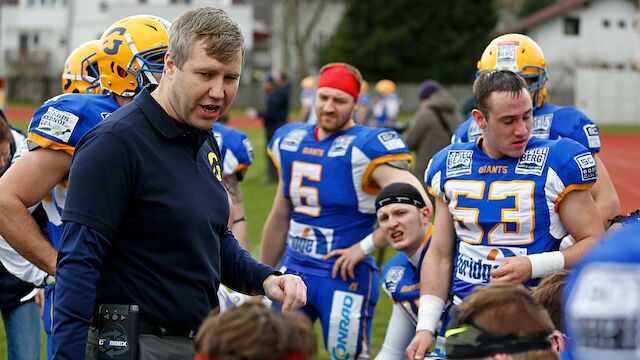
364, 87
309, 82
80, 74
520, 54
130, 52
385, 87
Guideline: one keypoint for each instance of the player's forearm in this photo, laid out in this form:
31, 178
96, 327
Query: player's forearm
274, 237
435, 276
604, 194
23, 234
239, 226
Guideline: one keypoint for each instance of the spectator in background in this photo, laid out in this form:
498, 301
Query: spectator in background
275, 112
308, 100
386, 107
500, 321
433, 124
253, 331
362, 113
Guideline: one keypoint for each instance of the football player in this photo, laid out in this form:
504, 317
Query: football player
329, 174
386, 106
129, 56
503, 204
237, 155
80, 74
520, 54
405, 220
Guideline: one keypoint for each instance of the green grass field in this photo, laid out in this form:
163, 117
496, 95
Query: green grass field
258, 199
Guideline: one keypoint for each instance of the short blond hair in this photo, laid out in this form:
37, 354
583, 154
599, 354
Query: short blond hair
221, 35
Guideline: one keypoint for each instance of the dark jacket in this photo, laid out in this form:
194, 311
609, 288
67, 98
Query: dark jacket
426, 134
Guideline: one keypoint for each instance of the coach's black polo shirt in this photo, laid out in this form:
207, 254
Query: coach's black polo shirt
145, 217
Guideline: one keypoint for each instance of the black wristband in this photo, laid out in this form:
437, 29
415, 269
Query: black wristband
239, 220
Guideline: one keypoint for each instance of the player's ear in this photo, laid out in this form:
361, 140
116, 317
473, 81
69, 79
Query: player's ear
479, 118
169, 64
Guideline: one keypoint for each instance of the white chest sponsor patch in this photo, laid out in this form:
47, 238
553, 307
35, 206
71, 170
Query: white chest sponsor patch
292, 140
58, 124
391, 140
340, 145
344, 323
393, 277
541, 126
474, 262
604, 313
593, 135
587, 165
459, 162
532, 161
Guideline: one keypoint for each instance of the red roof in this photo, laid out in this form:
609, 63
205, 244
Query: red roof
544, 15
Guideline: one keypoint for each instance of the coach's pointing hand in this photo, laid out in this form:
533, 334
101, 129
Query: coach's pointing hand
290, 290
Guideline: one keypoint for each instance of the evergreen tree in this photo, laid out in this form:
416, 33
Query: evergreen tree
408, 40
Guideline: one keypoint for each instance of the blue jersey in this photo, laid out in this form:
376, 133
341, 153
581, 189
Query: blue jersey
328, 184
386, 108
401, 280
506, 207
235, 147
58, 125
550, 122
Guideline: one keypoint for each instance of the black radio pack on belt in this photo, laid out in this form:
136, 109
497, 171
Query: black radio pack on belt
118, 332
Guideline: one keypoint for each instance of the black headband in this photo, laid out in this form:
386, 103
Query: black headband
399, 193
469, 341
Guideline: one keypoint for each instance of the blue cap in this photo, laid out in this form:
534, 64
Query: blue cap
602, 299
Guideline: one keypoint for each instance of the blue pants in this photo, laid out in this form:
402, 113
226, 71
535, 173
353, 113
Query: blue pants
345, 310
22, 326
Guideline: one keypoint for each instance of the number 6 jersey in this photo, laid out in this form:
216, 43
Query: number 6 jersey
328, 184
506, 207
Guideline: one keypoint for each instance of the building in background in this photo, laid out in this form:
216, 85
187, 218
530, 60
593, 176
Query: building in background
37, 35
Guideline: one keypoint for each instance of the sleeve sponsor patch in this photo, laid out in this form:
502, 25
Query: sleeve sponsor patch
541, 126
593, 135
248, 147
587, 165
58, 124
459, 162
218, 137
532, 161
391, 140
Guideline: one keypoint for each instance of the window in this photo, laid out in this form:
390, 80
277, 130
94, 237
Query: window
142, 1
622, 24
606, 23
180, 1
571, 25
36, 38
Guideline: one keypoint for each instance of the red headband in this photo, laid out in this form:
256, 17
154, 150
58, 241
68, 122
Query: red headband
338, 77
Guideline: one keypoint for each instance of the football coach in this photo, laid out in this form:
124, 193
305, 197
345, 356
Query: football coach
144, 243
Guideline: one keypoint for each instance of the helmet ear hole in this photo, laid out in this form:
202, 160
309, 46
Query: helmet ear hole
122, 72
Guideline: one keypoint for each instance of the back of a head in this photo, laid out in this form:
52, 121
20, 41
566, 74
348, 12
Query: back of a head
500, 318
308, 82
520, 54
428, 88
549, 294
130, 51
253, 331
80, 74
221, 35
602, 297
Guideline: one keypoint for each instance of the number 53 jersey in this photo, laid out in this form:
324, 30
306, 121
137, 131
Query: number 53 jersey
506, 207
328, 185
